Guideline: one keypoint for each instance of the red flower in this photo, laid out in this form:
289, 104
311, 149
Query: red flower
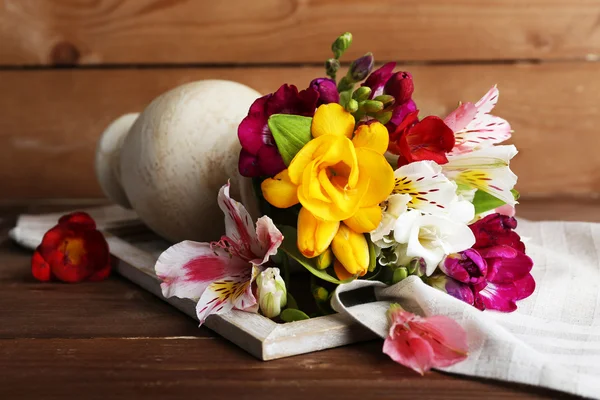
72, 251
428, 139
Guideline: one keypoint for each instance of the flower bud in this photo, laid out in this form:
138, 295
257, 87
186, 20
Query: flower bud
371, 106
352, 106
453, 287
272, 294
417, 267
399, 274
362, 93
325, 260
401, 86
386, 99
320, 294
351, 250
467, 266
327, 90
341, 44
331, 67
361, 67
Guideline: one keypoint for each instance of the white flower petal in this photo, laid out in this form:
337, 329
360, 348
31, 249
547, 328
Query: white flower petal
430, 190
486, 169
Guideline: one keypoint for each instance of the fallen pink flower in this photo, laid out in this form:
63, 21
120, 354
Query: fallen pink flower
423, 343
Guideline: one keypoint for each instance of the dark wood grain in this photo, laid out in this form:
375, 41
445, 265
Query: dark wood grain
51, 120
210, 368
112, 340
54, 32
114, 308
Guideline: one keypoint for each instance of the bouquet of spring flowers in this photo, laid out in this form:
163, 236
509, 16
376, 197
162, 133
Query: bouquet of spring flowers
355, 184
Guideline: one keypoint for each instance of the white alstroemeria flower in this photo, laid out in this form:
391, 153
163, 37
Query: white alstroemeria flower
392, 208
431, 237
486, 169
431, 191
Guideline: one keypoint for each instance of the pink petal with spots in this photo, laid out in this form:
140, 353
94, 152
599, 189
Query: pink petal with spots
239, 227
474, 127
269, 237
188, 268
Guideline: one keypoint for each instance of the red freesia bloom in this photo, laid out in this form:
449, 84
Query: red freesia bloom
259, 155
72, 251
428, 139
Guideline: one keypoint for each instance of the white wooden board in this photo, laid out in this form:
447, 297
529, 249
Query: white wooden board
137, 250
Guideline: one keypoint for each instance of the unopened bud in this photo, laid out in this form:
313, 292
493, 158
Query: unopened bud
272, 294
362, 93
325, 260
320, 294
399, 274
331, 67
401, 86
371, 106
386, 99
361, 67
352, 106
417, 267
341, 44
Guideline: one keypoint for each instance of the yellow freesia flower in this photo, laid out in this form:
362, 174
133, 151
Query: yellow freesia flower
339, 176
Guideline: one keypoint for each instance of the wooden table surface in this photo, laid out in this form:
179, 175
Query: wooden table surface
112, 340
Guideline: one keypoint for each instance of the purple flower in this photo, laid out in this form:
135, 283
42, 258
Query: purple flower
399, 85
377, 80
467, 266
259, 155
507, 278
327, 90
453, 287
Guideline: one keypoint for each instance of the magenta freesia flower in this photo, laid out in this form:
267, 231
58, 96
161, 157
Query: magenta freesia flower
327, 90
496, 269
423, 343
220, 275
259, 155
467, 266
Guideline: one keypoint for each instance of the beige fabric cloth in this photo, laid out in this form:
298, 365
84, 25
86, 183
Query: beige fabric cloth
552, 340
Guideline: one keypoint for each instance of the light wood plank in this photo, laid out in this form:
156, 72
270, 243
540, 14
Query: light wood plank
52, 119
46, 32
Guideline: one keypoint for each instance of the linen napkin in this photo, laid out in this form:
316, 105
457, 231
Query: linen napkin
552, 340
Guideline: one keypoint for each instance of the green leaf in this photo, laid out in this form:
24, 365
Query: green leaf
515, 194
289, 245
484, 201
292, 314
291, 301
291, 133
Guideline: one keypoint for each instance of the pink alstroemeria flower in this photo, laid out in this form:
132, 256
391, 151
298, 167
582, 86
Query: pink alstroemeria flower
423, 343
474, 127
219, 275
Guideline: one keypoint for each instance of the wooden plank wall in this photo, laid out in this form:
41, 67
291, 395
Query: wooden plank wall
69, 68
